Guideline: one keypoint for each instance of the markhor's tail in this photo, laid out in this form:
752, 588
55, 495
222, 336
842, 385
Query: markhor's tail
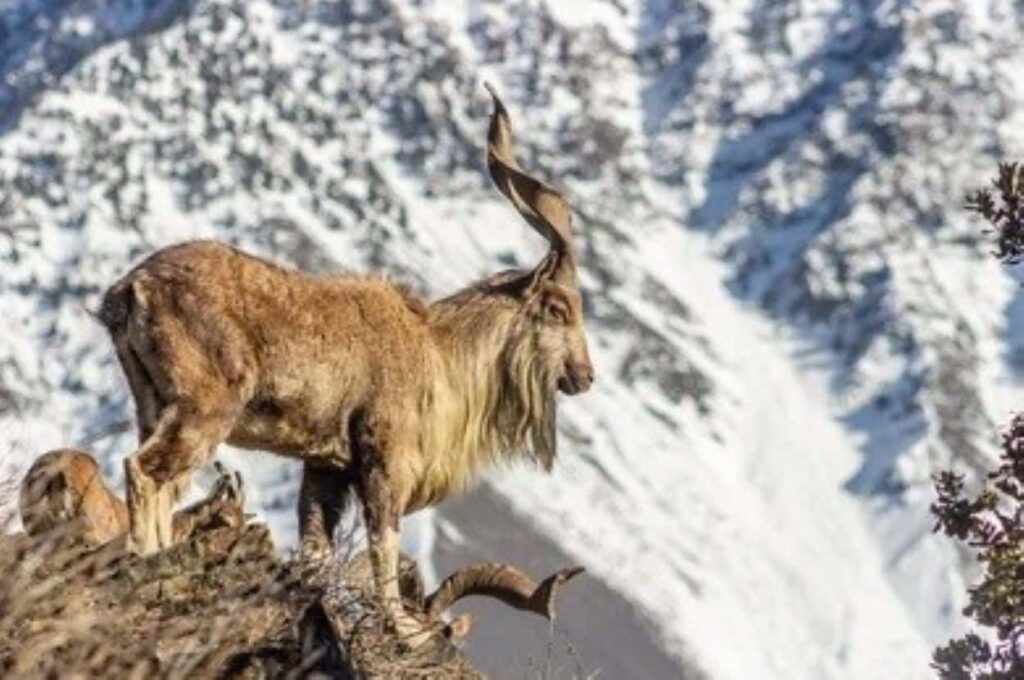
116, 306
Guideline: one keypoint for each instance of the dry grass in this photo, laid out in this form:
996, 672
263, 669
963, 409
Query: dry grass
221, 605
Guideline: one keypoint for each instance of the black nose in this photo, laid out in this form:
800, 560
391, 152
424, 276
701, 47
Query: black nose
581, 373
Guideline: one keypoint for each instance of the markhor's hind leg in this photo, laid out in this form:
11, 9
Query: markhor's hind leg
151, 504
184, 440
201, 374
322, 500
146, 517
147, 504
148, 404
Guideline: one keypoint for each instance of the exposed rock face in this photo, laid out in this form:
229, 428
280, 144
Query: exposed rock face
323, 615
222, 604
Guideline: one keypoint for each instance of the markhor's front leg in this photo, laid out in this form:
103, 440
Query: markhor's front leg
322, 500
382, 513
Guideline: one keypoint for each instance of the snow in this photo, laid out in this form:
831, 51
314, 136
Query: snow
751, 553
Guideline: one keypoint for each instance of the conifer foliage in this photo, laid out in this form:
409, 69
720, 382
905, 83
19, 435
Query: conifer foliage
1004, 211
990, 522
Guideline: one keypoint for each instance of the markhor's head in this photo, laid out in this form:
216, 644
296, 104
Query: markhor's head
550, 293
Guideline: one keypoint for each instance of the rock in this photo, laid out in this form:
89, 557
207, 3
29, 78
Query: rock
223, 604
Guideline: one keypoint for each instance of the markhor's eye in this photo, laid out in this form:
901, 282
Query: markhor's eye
557, 313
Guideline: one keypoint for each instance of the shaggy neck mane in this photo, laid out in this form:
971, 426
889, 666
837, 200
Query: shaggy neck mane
494, 401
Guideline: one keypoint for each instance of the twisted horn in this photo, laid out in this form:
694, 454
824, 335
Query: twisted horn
544, 208
502, 582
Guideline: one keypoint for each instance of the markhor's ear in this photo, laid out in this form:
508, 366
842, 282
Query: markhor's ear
557, 266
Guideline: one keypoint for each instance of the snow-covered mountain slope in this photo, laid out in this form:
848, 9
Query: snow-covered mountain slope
793, 323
